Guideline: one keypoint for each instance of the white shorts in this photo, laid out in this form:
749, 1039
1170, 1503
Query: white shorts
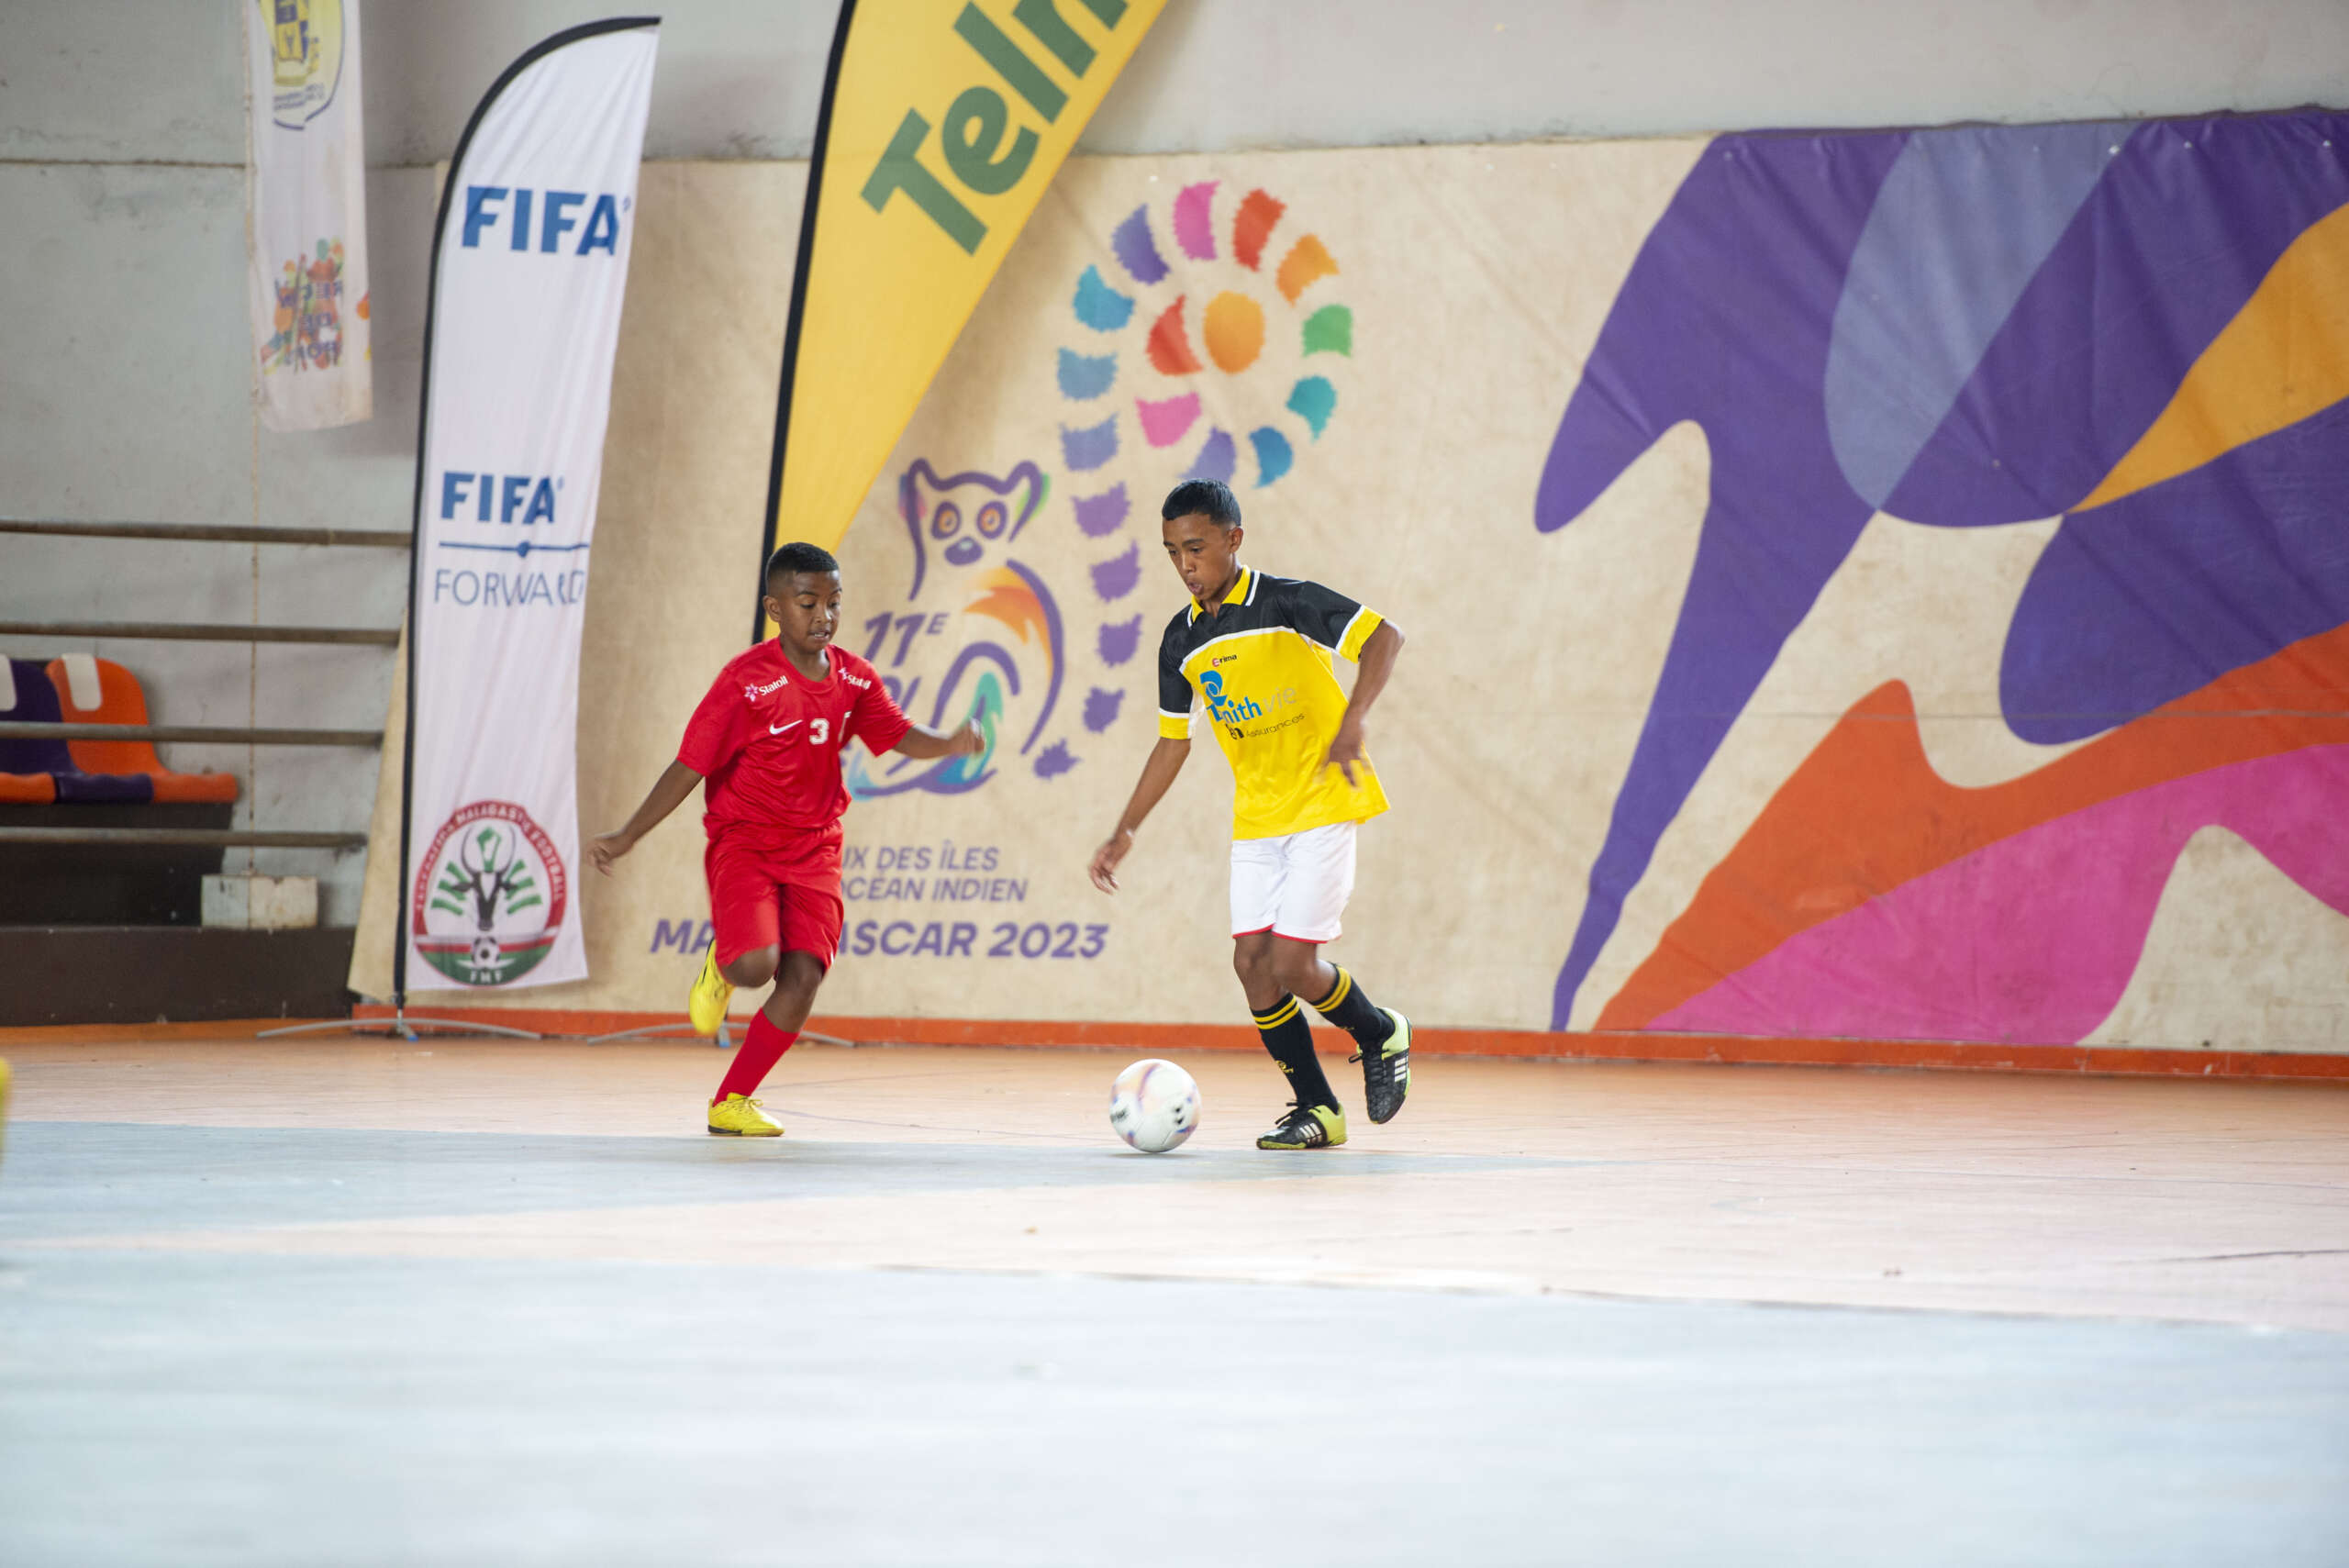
1295, 886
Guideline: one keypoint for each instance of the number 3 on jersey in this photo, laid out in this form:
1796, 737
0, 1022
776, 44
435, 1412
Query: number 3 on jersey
818, 732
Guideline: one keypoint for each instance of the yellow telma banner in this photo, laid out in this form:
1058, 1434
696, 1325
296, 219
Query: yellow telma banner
943, 122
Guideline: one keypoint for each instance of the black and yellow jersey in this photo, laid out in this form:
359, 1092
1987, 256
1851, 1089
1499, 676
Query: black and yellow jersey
1261, 667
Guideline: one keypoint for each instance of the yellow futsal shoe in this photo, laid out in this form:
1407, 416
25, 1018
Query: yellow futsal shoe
706, 1004
1307, 1126
737, 1115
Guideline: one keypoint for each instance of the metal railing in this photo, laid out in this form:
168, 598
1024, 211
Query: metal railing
197, 734
208, 533
184, 838
175, 631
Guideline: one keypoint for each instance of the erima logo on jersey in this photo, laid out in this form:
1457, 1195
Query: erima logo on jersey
752, 693
1220, 663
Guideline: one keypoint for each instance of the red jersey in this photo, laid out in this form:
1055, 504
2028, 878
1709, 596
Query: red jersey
767, 741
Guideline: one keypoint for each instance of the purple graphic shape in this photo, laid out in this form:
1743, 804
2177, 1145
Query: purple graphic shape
1090, 448
2181, 229
1054, 761
1195, 220
1119, 643
1216, 459
1724, 320
911, 512
2034, 938
1135, 249
1101, 708
1164, 420
2144, 599
1115, 578
1102, 514
1913, 320
1083, 376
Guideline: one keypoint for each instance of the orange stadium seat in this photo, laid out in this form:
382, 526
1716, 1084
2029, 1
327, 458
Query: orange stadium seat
99, 691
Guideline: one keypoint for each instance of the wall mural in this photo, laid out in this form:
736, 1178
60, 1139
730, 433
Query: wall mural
1859, 584
2142, 329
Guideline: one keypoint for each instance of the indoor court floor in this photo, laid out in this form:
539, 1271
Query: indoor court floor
349, 1300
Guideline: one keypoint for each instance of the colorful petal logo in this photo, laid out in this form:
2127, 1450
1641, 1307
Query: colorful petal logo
1172, 364
1215, 354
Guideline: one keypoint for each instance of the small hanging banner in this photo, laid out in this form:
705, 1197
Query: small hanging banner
305, 214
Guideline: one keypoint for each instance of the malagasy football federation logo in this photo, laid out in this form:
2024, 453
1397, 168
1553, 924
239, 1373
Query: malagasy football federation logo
489, 894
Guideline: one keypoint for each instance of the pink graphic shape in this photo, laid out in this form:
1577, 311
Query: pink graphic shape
1195, 220
2032, 940
1163, 422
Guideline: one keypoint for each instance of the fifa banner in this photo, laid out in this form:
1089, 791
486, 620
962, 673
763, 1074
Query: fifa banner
942, 124
529, 264
305, 238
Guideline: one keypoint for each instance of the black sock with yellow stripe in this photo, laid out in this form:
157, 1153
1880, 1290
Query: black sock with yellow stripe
1351, 1011
1289, 1038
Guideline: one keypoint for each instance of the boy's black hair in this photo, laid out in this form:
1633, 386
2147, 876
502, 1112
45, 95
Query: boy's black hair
799, 556
1209, 498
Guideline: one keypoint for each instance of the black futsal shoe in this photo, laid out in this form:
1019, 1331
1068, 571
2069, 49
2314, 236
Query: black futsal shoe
1307, 1126
1386, 1069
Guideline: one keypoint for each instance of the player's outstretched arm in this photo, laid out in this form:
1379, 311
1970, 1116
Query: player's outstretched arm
922, 742
1377, 663
668, 791
1158, 772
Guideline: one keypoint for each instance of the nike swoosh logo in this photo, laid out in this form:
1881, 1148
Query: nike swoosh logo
779, 728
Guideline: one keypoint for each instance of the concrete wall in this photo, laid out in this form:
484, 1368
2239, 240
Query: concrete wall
156, 80
123, 387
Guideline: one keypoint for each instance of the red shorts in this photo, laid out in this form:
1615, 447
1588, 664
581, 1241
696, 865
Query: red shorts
786, 896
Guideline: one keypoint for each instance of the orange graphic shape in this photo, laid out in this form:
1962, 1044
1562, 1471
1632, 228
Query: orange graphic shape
1307, 263
1170, 346
2284, 357
1251, 226
1865, 812
1234, 328
1006, 596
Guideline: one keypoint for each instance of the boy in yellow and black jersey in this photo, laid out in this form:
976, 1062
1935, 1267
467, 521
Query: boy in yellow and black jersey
1257, 652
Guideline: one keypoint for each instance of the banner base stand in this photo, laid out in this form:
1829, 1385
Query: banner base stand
402, 1024
653, 1031
725, 1040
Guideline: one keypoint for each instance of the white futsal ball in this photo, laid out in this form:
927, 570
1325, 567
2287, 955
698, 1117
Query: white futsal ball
1155, 1106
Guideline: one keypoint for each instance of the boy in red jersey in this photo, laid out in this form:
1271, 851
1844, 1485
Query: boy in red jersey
765, 745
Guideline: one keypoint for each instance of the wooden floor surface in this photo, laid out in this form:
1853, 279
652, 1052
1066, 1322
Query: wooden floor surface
2223, 1202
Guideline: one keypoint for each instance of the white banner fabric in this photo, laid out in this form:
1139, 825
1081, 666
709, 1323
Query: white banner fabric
306, 229
531, 265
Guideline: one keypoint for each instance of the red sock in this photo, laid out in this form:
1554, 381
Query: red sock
761, 1048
